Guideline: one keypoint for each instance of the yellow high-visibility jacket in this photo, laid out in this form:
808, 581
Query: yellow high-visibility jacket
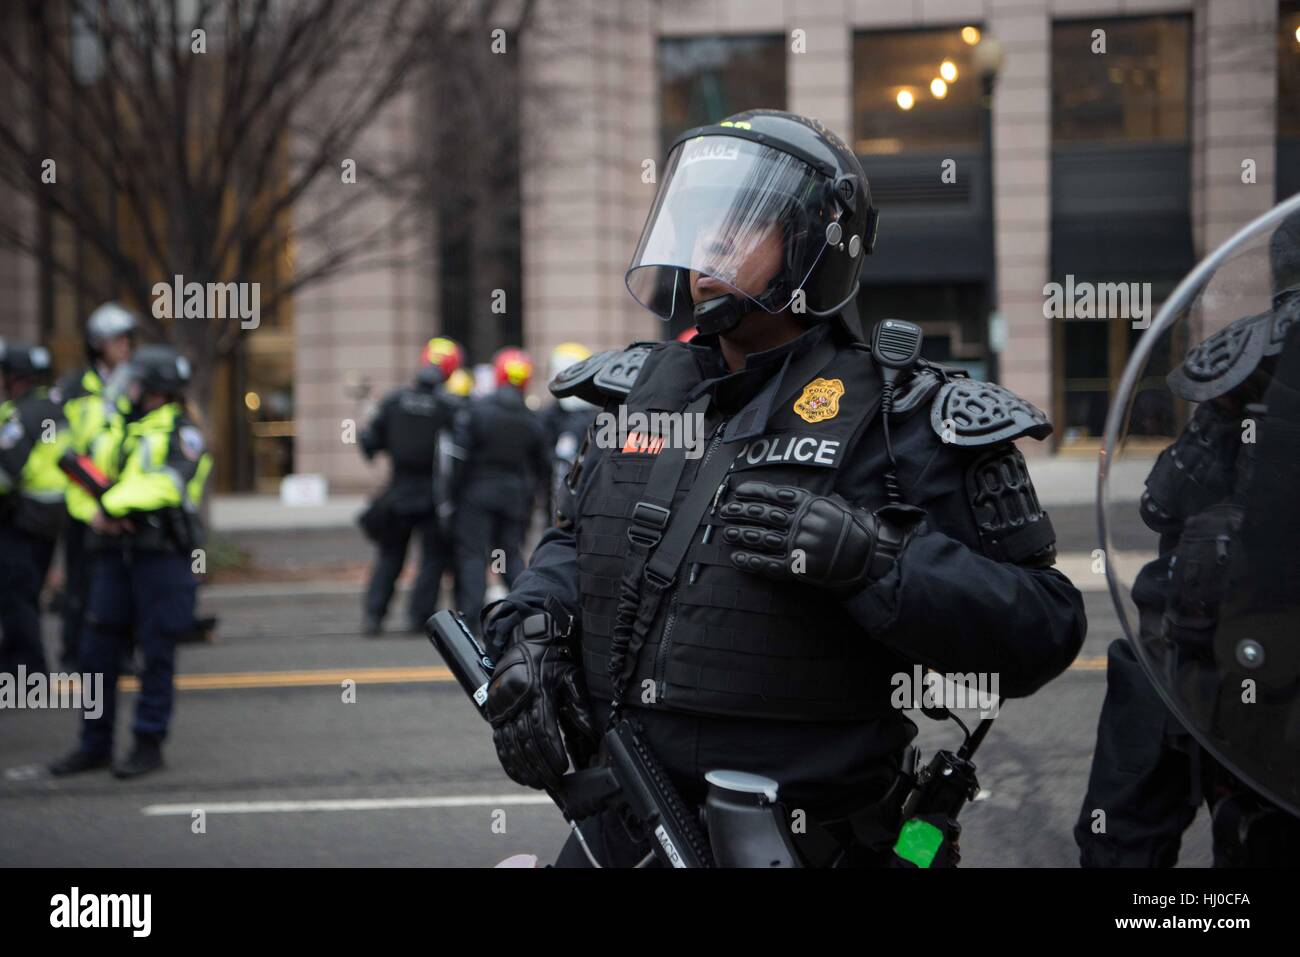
156, 463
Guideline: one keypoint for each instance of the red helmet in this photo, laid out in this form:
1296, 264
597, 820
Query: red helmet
443, 353
512, 366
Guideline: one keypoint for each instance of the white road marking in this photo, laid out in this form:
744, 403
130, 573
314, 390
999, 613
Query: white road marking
343, 804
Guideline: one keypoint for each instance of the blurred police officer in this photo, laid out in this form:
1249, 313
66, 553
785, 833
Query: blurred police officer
31, 499
109, 337
501, 462
752, 605
408, 425
566, 421
145, 527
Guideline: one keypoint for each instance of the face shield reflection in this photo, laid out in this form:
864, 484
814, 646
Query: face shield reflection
731, 216
1205, 582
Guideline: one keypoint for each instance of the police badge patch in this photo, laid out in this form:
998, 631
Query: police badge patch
10, 434
191, 440
820, 400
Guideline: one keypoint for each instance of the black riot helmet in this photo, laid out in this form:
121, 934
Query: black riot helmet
24, 362
429, 378
762, 189
152, 368
108, 321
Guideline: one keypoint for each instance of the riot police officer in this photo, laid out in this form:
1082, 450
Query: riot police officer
408, 425
847, 513
566, 421
32, 436
500, 464
145, 526
109, 338
1216, 495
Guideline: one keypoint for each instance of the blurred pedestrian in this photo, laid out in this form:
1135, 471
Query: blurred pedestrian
408, 426
109, 339
32, 435
501, 463
144, 520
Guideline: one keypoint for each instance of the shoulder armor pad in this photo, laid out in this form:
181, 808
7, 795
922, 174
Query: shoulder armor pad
1226, 359
606, 374
920, 386
971, 413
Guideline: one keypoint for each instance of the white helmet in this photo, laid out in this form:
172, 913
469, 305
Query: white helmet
108, 322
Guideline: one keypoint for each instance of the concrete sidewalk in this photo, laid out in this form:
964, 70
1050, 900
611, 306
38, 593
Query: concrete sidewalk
1060, 480
264, 513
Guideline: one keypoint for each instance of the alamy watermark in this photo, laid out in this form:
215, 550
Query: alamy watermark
212, 300
922, 688
82, 692
650, 432
1098, 300
133, 912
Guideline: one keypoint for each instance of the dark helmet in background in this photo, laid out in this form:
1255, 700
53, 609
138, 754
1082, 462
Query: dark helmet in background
725, 192
108, 322
21, 361
152, 368
160, 369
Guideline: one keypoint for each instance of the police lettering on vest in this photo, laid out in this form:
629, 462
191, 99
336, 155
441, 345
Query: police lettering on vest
798, 449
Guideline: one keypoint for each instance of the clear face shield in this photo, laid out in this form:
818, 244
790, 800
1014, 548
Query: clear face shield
732, 217
1205, 583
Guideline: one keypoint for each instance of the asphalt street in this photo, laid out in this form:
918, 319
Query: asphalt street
286, 772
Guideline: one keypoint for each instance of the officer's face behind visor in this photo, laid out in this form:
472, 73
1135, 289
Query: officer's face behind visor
731, 216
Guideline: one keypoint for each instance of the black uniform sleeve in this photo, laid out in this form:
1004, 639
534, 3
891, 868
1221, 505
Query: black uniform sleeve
16, 441
553, 566
463, 441
965, 597
374, 437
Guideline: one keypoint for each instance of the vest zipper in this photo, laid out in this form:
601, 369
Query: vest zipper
661, 658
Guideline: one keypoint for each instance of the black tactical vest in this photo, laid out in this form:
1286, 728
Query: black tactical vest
414, 419
726, 642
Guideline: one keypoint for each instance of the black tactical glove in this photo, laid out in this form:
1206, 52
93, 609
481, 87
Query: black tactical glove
497, 624
821, 540
537, 704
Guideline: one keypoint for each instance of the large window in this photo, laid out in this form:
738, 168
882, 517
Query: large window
705, 79
950, 313
1121, 167
1137, 90
916, 91
918, 111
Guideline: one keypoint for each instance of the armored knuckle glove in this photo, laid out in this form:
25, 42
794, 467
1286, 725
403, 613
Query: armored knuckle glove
790, 534
537, 707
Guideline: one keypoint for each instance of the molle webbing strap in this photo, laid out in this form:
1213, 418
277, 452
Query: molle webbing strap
651, 569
